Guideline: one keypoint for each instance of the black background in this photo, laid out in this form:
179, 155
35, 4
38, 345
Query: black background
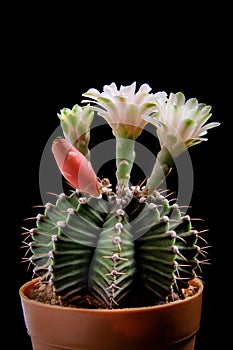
53, 59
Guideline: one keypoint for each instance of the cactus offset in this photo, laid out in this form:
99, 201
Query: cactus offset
130, 247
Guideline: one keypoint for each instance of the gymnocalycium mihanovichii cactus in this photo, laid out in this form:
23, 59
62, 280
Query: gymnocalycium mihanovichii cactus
130, 246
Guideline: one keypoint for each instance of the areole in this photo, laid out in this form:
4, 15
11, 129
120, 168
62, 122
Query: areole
171, 326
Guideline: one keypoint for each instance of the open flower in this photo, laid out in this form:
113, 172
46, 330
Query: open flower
75, 168
180, 124
123, 109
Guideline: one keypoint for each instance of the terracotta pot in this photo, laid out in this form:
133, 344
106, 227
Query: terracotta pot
170, 326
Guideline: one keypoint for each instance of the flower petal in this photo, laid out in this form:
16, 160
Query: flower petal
128, 90
145, 88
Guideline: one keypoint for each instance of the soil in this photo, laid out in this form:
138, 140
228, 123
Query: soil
44, 293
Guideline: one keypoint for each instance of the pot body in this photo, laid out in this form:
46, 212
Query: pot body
170, 326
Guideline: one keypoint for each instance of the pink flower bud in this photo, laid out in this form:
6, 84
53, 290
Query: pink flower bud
75, 168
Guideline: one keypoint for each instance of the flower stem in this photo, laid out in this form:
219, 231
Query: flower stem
160, 171
82, 144
125, 155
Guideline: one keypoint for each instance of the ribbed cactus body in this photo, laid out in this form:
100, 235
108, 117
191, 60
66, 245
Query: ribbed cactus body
112, 270
117, 251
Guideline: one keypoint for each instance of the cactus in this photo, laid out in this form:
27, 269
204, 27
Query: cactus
90, 248
132, 246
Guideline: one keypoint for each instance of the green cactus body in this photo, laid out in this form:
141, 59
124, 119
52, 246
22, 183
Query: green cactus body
114, 255
113, 266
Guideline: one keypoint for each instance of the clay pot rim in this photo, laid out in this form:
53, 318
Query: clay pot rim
195, 282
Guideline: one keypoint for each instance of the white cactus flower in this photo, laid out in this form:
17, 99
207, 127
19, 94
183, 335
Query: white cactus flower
180, 124
123, 109
76, 122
